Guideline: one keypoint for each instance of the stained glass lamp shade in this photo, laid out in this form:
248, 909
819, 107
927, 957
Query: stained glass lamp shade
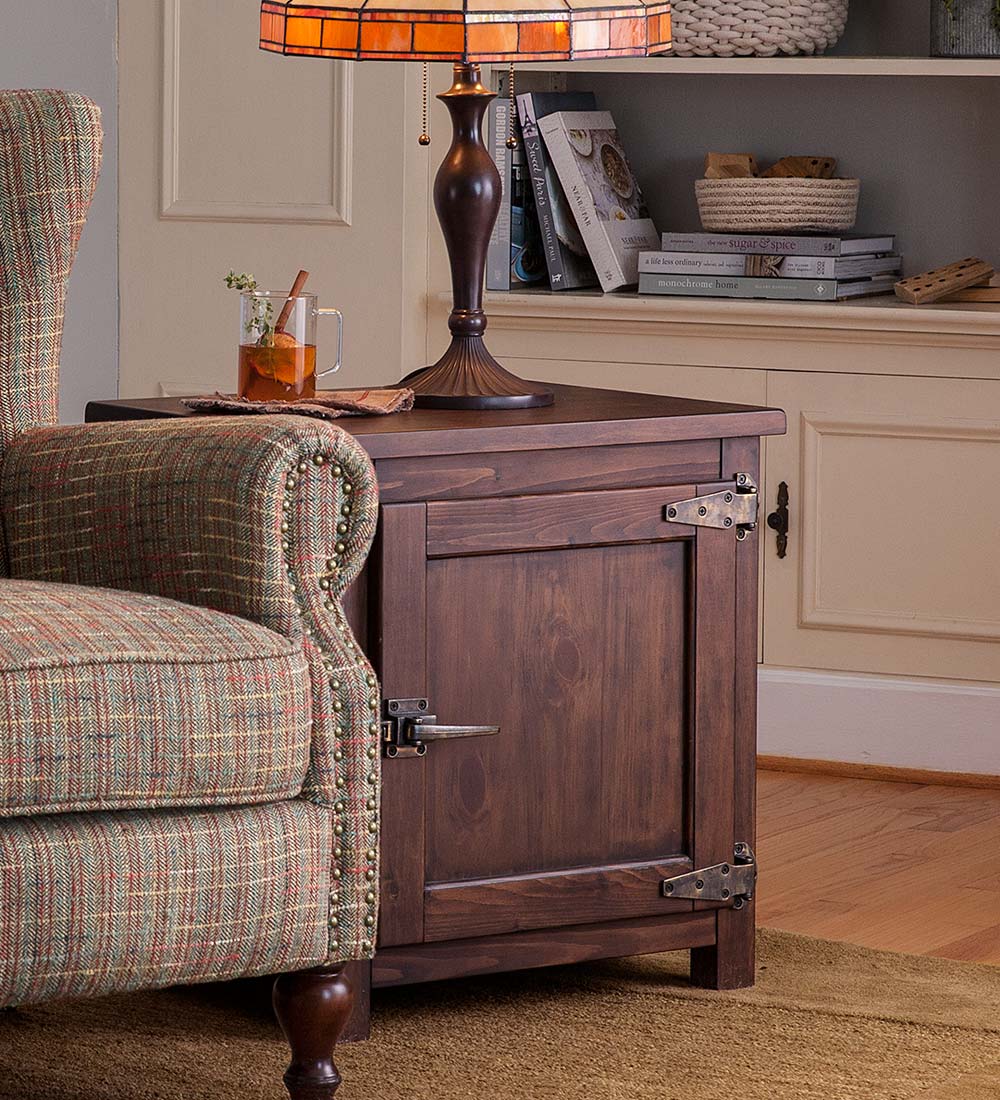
467, 187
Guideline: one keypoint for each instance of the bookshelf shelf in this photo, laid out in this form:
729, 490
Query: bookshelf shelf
784, 66
863, 320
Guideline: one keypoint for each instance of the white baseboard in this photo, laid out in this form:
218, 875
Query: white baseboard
938, 725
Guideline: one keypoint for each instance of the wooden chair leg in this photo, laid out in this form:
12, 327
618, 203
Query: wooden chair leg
312, 1007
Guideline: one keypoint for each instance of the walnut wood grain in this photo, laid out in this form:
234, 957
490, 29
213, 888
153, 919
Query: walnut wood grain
519, 903
550, 522
580, 417
452, 477
730, 962
714, 655
588, 768
431, 962
400, 660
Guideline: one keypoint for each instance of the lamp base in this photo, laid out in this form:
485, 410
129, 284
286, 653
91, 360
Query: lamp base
468, 377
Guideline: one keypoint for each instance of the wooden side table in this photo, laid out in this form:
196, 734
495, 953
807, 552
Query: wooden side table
584, 577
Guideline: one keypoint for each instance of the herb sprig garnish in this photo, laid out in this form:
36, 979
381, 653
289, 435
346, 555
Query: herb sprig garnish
260, 325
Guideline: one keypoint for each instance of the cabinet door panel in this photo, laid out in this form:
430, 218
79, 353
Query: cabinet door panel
891, 558
578, 656
607, 661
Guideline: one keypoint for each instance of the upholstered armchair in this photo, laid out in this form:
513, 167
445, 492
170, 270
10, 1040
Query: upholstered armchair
189, 764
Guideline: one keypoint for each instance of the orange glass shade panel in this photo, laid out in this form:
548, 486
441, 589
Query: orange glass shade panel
340, 34
450, 32
386, 37
491, 39
438, 38
543, 37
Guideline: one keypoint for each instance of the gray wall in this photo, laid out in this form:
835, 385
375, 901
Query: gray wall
72, 44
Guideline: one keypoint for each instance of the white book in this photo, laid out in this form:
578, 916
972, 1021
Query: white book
602, 192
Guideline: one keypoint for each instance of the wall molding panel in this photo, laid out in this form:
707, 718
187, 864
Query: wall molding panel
175, 206
812, 614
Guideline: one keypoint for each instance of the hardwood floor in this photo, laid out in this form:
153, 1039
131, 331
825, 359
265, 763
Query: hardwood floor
897, 866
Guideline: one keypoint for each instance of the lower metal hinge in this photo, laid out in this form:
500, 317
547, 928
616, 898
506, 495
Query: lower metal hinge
727, 882
734, 508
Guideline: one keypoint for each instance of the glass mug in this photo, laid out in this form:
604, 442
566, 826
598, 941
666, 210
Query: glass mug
281, 366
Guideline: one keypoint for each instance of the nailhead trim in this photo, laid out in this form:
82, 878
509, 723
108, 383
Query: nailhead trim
334, 566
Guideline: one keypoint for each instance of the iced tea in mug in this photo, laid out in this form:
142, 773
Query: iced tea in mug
278, 345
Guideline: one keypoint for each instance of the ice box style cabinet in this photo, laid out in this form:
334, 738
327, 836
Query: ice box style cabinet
561, 605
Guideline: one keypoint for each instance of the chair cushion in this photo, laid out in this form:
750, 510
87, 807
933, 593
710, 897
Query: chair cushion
112, 700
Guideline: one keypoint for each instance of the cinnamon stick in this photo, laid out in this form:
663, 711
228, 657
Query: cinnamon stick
300, 282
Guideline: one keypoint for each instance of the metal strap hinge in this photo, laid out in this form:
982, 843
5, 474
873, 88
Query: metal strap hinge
736, 508
727, 882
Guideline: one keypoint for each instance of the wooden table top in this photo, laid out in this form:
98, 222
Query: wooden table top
580, 417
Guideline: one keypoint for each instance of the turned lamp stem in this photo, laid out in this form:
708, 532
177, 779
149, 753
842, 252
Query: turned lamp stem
467, 194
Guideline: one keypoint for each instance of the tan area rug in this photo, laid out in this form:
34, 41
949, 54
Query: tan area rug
825, 1021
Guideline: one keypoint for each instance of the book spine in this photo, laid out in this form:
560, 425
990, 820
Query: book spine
737, 264
804, 290
535, 155
498, 254
751, 245
609, 270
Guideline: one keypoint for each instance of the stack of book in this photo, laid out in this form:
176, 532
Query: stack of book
791, 268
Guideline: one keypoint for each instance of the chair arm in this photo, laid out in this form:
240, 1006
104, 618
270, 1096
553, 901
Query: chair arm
268, 518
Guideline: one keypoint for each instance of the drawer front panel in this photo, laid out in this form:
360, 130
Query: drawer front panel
547, 523
455, 477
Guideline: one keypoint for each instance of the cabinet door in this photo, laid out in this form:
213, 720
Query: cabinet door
602, 640
891, 562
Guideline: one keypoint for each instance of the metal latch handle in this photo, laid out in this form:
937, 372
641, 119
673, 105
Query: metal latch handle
407, 727
427, 731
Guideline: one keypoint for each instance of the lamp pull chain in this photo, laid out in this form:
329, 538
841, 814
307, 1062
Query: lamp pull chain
511, 135
425, 137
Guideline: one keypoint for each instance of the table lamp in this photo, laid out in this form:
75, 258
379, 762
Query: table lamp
467, 186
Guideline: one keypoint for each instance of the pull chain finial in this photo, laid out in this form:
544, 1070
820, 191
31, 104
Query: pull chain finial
425, 136
512, 111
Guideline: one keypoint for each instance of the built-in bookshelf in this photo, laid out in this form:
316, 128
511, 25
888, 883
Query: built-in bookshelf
919, 131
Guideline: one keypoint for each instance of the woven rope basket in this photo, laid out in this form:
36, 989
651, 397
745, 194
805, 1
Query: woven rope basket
777, 205
761, 28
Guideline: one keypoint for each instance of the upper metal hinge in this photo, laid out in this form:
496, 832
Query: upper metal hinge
733, 883
736, 508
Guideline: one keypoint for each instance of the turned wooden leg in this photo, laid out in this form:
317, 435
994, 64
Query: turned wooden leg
312, 1007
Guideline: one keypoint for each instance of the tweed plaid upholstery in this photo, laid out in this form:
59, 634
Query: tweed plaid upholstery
113, 700
268, 518
101, 902
50, 155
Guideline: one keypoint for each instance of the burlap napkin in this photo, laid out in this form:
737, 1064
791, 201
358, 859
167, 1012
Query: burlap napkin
327, 404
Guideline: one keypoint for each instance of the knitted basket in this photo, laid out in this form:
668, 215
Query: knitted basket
761, 28
777, 205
